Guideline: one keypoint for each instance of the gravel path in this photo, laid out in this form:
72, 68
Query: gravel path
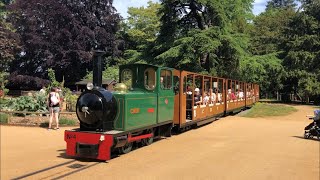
232, 148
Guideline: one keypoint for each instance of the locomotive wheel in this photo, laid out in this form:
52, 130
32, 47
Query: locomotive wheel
126, 148
148, 141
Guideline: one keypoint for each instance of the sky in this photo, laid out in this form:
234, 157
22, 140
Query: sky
122, 5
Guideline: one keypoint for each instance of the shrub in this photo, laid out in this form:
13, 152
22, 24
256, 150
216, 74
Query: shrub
3, 82
3, 118
36, 103
71, 101
66, 121
3, 103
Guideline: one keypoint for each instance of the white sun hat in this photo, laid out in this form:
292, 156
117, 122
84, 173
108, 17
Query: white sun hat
197, 89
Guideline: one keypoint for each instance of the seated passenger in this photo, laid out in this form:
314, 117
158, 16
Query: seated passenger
197, 97
219, 96
229, 95
206, 98
213, 96
189, 92
241, 94
233, 96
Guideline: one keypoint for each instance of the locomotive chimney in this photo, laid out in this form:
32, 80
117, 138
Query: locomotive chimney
97, 67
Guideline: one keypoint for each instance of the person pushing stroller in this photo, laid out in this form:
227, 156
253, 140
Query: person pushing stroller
313, 129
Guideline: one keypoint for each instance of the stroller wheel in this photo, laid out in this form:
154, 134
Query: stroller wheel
306, 135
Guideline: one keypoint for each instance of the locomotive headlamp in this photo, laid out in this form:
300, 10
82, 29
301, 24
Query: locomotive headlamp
89, 86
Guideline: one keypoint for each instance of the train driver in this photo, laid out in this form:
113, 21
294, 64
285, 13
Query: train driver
161, 83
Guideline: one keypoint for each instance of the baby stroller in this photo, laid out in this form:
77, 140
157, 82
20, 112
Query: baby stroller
313, 129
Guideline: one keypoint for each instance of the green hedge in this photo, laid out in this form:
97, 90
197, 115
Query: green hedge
4, 118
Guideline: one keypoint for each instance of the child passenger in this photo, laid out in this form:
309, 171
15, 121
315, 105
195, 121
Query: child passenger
213, 96
206, 98
241, 94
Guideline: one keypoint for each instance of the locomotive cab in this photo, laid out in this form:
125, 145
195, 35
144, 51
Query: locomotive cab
150, 92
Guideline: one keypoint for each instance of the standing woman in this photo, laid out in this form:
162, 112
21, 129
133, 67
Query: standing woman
54, 107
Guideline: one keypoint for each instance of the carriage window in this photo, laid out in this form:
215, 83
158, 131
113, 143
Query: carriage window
207, 84
149, 79
220, 90
165, 79
176, 83
188, 84
126, 77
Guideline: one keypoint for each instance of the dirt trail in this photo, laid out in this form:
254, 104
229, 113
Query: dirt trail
231, 148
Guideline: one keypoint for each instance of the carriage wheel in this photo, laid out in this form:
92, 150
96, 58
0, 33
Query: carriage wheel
126, 148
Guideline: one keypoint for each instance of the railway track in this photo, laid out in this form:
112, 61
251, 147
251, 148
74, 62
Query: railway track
58, 171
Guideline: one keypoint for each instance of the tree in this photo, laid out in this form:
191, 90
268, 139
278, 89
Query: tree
6, 2
3, 83
9, 41
267, 33
110, 72
265, 70
202, 35
281, 4
61, 35
140, 31
301, 51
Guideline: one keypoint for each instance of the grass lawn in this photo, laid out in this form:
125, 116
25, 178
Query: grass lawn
316, 107
264, 109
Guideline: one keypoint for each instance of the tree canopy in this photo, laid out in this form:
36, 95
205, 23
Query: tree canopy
302, 51
278, 49
205, 35
139, 31
9, 40
281, 4
61, 35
